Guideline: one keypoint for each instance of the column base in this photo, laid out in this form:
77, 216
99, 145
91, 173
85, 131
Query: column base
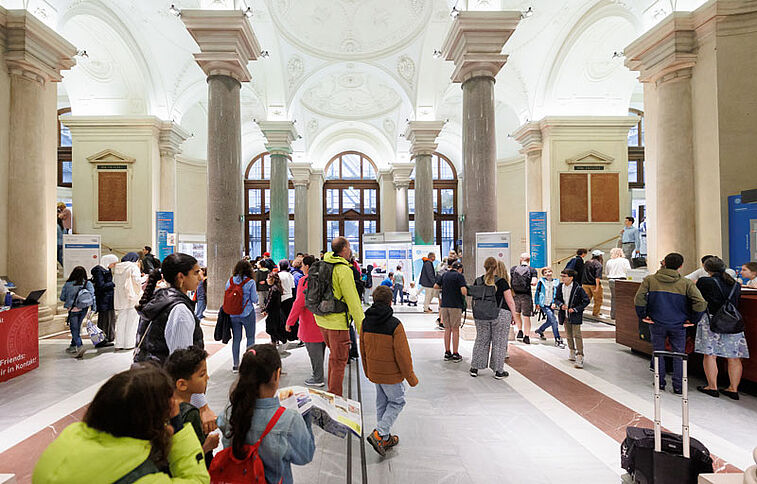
210, 315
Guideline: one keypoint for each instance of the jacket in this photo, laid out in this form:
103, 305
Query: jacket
150, 262
71, 290
104, 288
249, 296
669, 299
222, 331
260, 277
715, 291
343, 282
577, 264
541, 289
578, 301
309, 331
128, 285
428, 274
83, 454
384, 347
297, 275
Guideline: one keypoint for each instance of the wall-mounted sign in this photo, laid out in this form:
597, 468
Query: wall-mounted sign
589, 168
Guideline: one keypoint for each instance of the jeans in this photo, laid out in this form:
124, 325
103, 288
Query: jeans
74, 321
551, 321
316, 352
237, 322
202, 304
398, 290
677, 337
389, 402
338, 342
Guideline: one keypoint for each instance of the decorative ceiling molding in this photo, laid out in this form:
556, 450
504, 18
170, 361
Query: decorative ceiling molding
591, 157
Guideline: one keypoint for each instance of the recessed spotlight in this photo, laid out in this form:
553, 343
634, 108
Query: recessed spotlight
527, 13
248, 12
454, 12
617, 54
437, 54
82, 53
174, 11
265, 54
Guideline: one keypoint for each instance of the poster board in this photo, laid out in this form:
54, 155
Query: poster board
164, 234
80, 250
492, 244
537, 238
421, 251
742, 232
386, 251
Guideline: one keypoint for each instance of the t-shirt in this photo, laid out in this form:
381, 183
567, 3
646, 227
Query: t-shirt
191, 415
618, 268
451, 283
502, 286
592, 272
399, 278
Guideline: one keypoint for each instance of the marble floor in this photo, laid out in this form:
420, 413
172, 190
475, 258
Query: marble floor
547, 422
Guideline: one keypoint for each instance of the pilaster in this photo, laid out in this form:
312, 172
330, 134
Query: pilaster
169, 142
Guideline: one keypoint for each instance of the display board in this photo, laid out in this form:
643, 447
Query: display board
386, 251
537, 238
164, 234
19, 341
421, 251
492, 244
742, 232
80, 250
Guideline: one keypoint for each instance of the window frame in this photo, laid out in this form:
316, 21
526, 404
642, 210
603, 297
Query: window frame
636, 153
65, 153
439, 185
264, 216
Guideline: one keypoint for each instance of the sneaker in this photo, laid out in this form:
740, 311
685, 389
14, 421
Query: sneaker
447, 355
80, 352
235, 369
541, 335
428, 311
313, 383
71, 349
391, 441
377, 443
678, 391
500, 375
473, 372
440, 326
559, 343
579, 361
526, 340
520, 334
456, 358
572, 355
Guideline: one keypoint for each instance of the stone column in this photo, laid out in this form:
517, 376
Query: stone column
474, 43
227, 43
401, 176
280, 135
664, 58
35, 55
422, 136
529, 136
301, 179
171, 137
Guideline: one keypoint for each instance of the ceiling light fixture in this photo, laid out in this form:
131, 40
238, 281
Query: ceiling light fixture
174, 11
248, 12
616, 54
82, 53
437, 54
264, 54
454, 12
527, 13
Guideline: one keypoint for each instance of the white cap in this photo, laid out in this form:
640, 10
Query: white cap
525, 255
597, 252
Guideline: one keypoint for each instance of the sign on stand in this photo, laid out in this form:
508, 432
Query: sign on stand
537, 237
80, 250
492, 244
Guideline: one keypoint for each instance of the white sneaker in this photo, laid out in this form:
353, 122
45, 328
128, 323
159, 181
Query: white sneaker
579, 361
572, 356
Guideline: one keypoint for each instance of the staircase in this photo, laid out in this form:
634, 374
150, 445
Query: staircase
604, 311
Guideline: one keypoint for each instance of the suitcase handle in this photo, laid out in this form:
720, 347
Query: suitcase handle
684, 402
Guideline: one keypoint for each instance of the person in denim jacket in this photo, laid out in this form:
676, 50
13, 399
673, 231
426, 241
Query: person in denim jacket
546, 290
73, 297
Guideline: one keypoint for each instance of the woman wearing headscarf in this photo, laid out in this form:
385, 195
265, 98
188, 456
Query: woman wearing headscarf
102, 278
127, 279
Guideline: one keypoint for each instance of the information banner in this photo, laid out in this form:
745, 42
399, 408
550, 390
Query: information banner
80, 250
492, 244
419, 253
164, 231
742, 232
19, 341
537, 237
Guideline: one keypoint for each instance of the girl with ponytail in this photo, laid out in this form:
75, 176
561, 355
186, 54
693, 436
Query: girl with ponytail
252, 404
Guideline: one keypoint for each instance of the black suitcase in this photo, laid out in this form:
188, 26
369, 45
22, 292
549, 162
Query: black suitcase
652, 456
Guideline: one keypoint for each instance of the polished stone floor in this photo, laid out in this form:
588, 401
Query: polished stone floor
547, 422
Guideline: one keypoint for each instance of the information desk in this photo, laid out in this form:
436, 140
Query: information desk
19, 341
627, 325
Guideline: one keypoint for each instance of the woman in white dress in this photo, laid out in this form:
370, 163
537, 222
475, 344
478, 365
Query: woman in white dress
128, 290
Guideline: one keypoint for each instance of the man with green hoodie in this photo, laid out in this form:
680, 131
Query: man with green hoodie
335, 326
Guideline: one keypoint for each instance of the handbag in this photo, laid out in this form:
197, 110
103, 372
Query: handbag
727, 319
96, 335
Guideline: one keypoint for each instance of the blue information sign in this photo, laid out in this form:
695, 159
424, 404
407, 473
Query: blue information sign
375, 254
537, 236
397, 254
742, 232
163, 227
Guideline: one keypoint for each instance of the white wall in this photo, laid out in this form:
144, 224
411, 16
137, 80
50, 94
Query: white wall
4, 155
511, 198
191, 196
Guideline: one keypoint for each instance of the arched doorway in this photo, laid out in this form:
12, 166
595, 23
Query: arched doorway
257, 199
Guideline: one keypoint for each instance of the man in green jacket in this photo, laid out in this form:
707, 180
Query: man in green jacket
335, 326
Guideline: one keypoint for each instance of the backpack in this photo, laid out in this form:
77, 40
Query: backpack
233, 298
521, 279
84, 298
319, 295
727, 319
227, 469
484, 299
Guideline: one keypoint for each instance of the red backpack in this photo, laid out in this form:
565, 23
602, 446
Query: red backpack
233, 298
227, 469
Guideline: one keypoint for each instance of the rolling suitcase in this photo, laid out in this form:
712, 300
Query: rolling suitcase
652, 456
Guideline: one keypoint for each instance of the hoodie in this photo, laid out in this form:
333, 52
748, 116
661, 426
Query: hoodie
128, 285
384, 347
343, 282
669, 299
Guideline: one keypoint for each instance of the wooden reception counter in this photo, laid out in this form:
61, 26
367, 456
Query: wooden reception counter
627, 325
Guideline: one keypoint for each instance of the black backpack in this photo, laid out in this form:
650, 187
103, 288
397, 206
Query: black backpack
485, 307
521, 279
727, 319
319, 295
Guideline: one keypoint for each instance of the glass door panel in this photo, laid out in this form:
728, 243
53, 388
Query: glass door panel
352, 232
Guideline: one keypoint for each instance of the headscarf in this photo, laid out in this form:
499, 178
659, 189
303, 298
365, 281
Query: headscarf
107, 260
130, 257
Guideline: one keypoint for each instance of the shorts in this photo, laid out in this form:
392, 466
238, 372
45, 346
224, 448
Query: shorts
451, 317
524, 304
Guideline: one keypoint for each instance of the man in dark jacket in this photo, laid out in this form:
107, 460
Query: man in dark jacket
102, 279
577, 264
427, 280
571, 300
149, 261
669, 303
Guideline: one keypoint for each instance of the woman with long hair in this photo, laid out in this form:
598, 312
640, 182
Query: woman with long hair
274, 322
490, 347
78, 295
127, 278
132, 427
253, 404
244, 277
717, 289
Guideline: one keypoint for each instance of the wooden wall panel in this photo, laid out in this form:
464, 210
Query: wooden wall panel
574, 197
112, 196
605, 197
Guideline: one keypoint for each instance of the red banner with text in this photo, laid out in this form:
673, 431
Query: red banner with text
19, 341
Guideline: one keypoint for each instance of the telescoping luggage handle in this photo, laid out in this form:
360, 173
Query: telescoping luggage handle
684, 402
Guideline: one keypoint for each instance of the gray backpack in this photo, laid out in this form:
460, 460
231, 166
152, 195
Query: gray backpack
484, 298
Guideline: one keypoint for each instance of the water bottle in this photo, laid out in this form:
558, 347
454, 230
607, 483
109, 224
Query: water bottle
8, 299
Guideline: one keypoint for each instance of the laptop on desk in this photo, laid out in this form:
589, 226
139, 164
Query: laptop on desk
31, 300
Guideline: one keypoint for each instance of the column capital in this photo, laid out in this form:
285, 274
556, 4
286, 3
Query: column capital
401, 174
171, 137
422, 136
666, 52
300, 173
475, 40
529, 136
226, 40
34, 50
279, 136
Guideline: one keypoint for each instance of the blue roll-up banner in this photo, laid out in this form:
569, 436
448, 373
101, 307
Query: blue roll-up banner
537, 237
742, 232
164, 230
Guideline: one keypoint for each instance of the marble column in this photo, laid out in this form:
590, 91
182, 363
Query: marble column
227, 43
171, 137
301, 179
422, 136
401, 176
279, 136
474, 43
35, 56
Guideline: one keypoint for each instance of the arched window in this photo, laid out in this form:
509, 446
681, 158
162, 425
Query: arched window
64, 152
636, 176
445, 202
257, 199
350, 199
